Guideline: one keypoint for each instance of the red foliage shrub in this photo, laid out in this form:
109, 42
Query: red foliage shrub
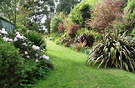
105, 13
73, 29
61, 27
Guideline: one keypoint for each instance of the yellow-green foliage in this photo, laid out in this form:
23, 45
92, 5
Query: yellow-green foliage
81, 11
55, 21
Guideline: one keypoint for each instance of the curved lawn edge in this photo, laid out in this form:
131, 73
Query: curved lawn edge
71, 72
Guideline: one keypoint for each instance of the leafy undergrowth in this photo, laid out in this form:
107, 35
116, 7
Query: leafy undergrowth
71, 72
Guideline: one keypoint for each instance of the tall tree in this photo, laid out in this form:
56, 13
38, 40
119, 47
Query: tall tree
40, 8
65, 5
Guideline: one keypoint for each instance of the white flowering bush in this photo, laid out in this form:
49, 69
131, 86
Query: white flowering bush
35, 58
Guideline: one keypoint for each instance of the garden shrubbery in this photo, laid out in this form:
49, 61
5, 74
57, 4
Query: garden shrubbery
35, 64
105, 13
55, 22
11, 63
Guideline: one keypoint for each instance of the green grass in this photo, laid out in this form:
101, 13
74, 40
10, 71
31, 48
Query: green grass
71, 72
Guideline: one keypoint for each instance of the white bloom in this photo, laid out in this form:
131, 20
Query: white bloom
25, 52
18, 36
5, 39
17, 33
3, 29
10, 40
35, 47
15, 39
36, 55
37, 60
45, 57
24, 44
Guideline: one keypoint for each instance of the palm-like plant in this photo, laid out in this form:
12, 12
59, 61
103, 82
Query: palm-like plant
115, 50
36, 38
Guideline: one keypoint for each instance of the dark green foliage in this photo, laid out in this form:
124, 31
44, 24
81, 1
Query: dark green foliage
34, 27
115, 51
10, 65
85, 39
36, 38
65, 6
34, 71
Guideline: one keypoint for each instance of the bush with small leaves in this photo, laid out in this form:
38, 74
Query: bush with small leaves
115, 51
11, 63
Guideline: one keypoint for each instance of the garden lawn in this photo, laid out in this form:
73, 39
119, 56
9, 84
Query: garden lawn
71, 72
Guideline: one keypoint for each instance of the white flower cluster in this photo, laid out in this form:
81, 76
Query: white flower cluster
18, 36
44, 56
35, 47
3, 31
7, 39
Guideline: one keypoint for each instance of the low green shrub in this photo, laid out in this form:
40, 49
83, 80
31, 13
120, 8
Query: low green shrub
11, 63
21, 27
115, 51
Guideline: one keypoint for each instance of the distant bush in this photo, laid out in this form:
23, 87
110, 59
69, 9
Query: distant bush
105, 12
115, 50
73, 29
61, 27
80, 12
11, 63
85, 39
55, 22
95, 34
128, 19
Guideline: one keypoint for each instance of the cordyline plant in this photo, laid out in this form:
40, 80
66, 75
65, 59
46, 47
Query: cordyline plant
105, 12
115, 50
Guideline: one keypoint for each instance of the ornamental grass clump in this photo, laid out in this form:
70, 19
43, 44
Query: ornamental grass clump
115, 50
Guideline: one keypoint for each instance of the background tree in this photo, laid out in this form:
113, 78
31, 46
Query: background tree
65, 5
40, 8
